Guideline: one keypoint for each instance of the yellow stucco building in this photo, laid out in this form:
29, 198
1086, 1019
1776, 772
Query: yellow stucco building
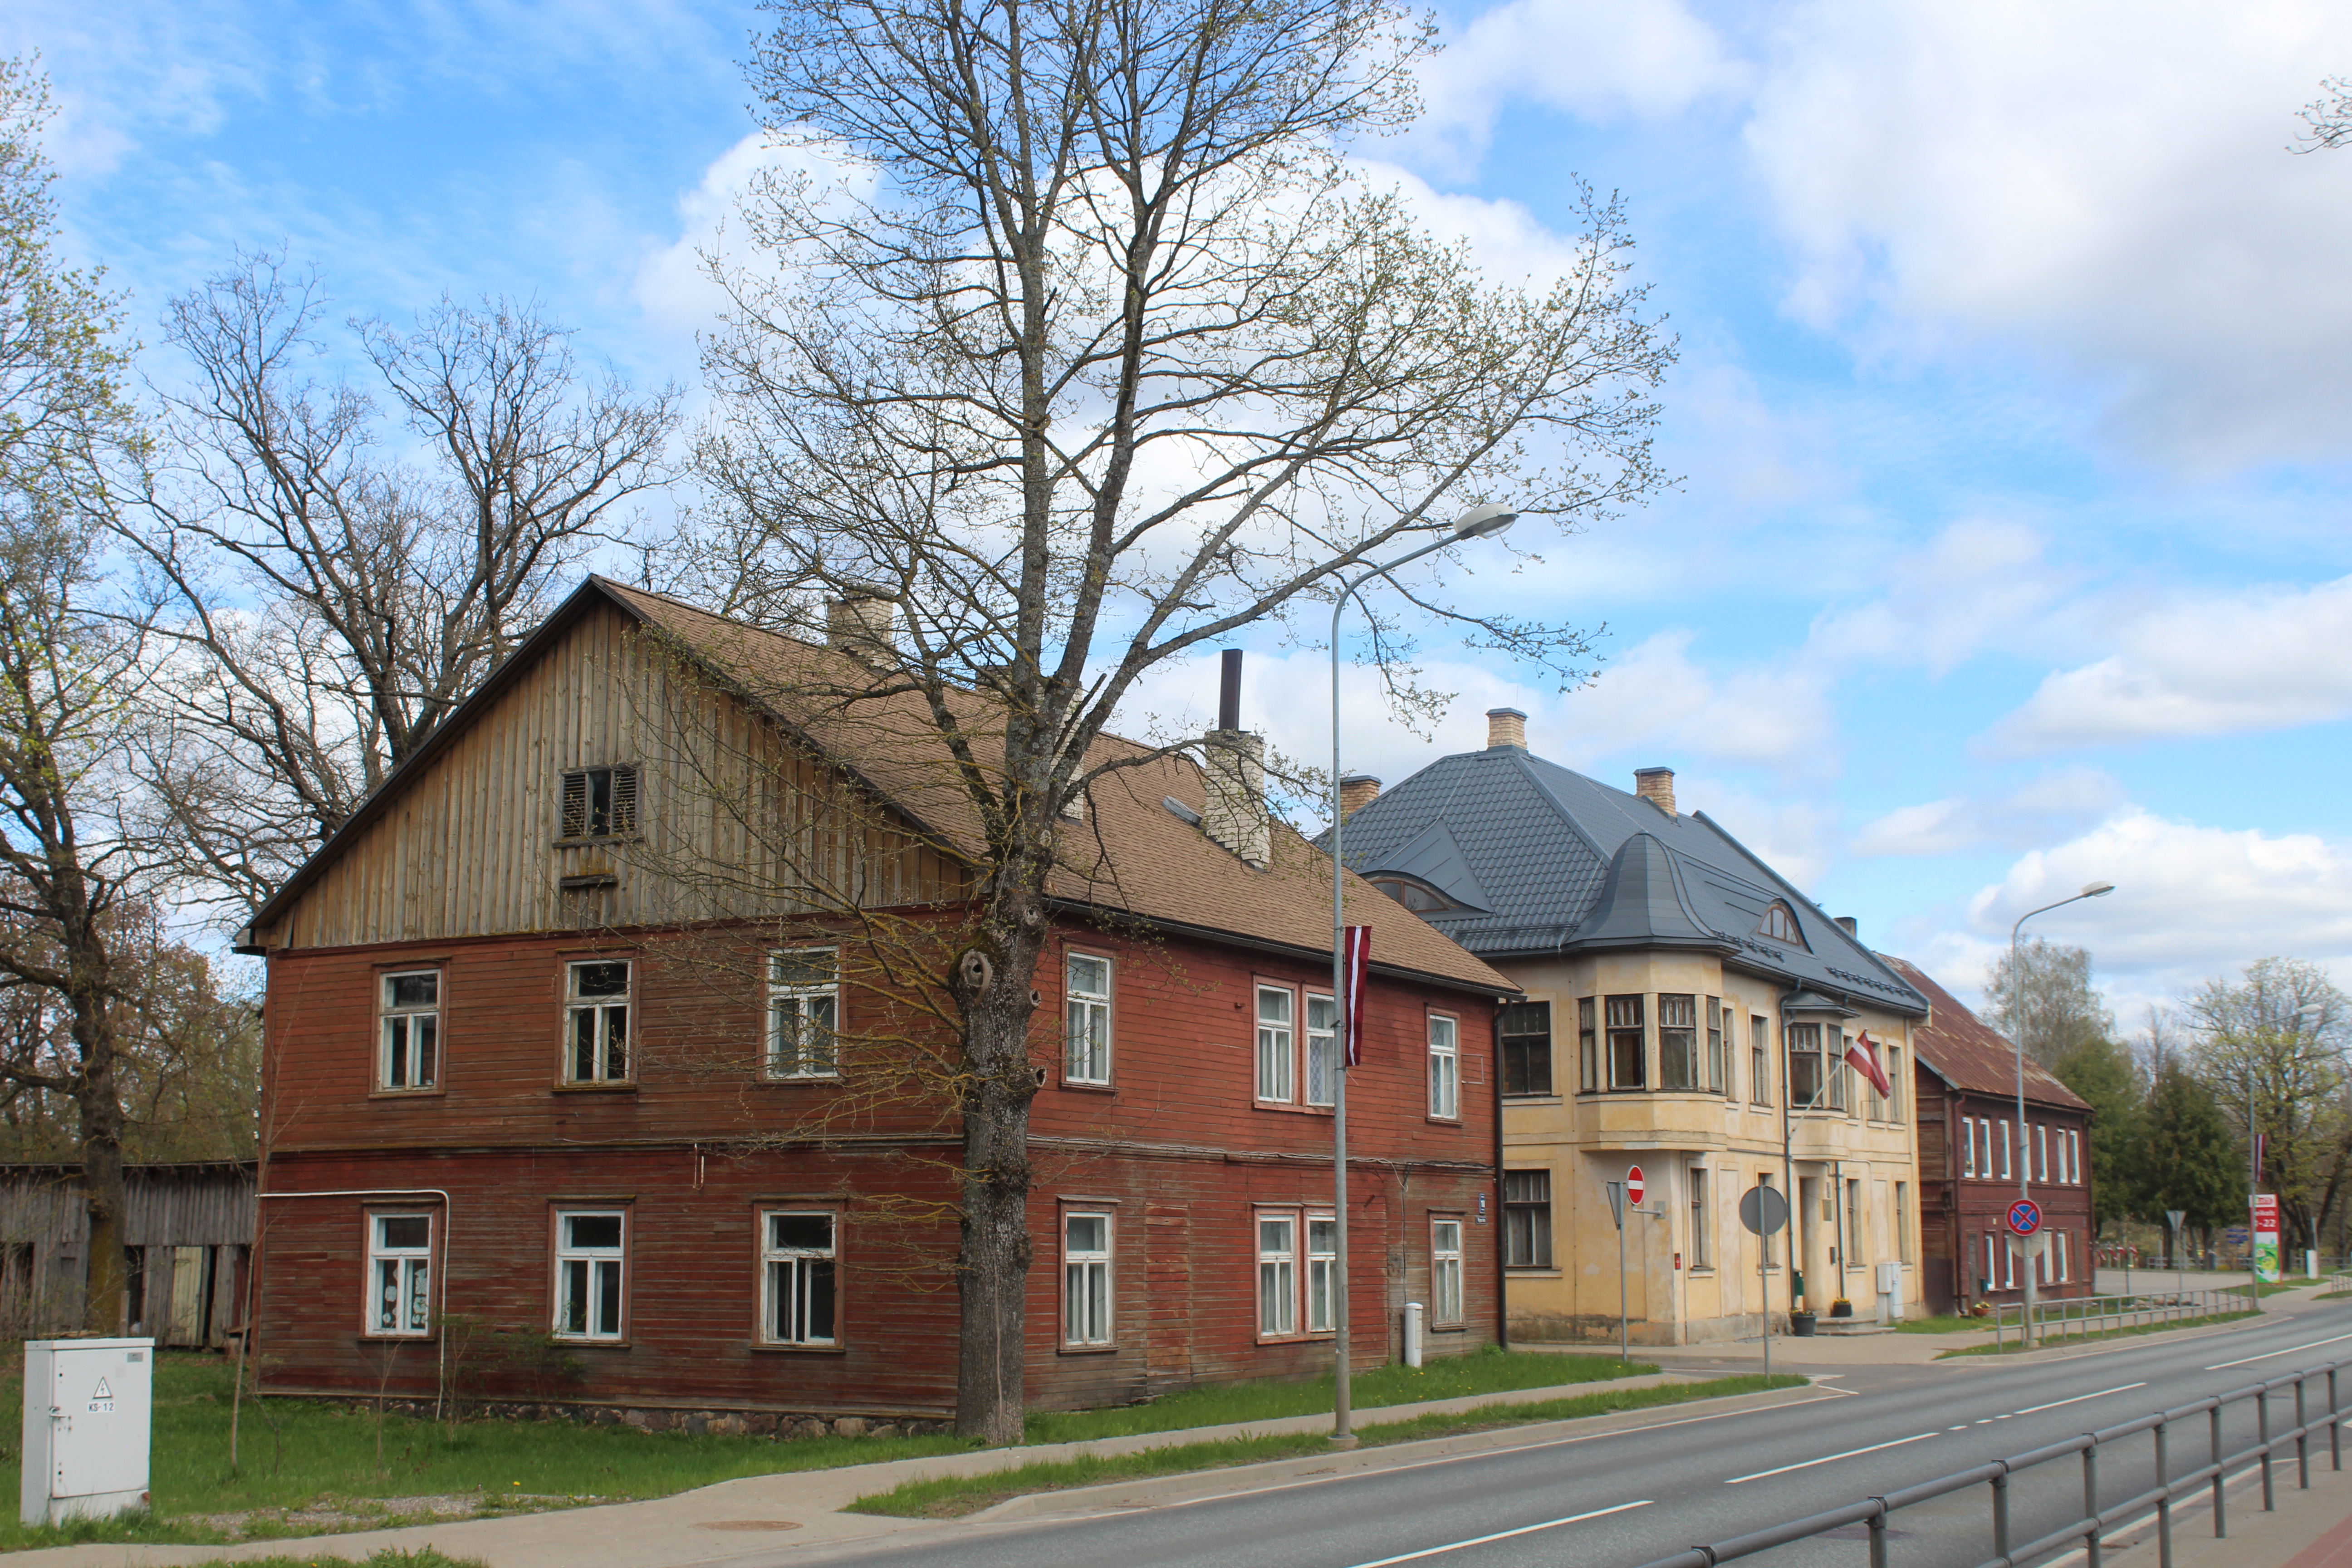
1686, 1011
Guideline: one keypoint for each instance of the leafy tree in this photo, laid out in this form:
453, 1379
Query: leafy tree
2188, 1157
2044, 999
2273, 1040
2103, 1073
1085, 348
69, 665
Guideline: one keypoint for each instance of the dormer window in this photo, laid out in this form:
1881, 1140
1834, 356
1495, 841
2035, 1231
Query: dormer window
600, 803
1414, 893
1780, 925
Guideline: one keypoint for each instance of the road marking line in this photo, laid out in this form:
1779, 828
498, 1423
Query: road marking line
1501, 1535
2249, 1361
1827, 1459
2127, 1388
1961, 1428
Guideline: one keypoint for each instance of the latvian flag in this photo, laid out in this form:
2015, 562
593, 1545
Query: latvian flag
1358, 951
1862, 1056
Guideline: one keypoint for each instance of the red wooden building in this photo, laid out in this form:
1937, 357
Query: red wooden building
1976, 1159
584, 1084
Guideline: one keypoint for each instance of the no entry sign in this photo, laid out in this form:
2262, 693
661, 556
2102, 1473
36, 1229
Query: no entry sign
2024, 1218
1634, 1186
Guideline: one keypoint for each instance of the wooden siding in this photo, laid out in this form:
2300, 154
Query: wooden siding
471, 848
188, 1227
1176, 1146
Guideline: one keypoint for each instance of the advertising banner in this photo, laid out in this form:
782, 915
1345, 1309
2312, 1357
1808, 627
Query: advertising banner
2266, 1237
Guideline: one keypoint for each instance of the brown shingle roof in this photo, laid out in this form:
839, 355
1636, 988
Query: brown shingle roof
1132, 855
1969, 1054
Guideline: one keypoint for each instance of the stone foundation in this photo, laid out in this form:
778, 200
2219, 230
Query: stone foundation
776, 1425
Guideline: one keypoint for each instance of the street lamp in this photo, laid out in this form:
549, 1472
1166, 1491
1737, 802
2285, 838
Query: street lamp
1479, 522
2024, 1144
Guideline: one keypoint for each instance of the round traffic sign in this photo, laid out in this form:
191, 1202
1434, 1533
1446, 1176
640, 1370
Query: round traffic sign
1634, 1186
2024, 1218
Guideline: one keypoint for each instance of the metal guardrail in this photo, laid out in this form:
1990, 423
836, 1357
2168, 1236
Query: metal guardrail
2073, 1317
2095, 1521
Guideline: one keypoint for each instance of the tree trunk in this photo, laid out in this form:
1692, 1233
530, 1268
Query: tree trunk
992, 980
98, 1099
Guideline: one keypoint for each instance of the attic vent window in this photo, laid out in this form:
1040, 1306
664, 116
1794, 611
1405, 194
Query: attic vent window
1417, 896
600, 803
1780, 925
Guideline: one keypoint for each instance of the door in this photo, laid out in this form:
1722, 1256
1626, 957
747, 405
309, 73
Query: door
185, 1325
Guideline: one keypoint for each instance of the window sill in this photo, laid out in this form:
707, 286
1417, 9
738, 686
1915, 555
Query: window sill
1436, 1120
581, 1341
425, 1338
619, 1085
1087, 1086
1290, 1107
1532, 1271
786, 1080
1531, 1100
435, 1092
593, 841
1086, 1350
764, 1347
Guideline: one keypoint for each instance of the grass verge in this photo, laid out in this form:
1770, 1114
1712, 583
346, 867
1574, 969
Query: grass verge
426, 1558
1941, 1325
952, 1497
318, 1468
2012, 1346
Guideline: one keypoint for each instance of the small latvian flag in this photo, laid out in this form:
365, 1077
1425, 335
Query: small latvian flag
1862, 1056
1357, 955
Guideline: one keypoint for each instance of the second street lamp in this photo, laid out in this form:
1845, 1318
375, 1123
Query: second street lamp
2025, 1144
1479, 522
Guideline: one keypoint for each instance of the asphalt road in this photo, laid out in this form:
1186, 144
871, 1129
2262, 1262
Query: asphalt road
1620, 1499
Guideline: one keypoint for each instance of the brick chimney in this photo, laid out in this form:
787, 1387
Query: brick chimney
1357, 791
863, 623
1233, 761
1505, 726
1850, 923
1656, 785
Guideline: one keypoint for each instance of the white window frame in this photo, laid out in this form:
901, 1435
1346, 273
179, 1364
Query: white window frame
2009, 1262
600, 1012
2007, 1170
2074, 1157
1088, 1304
1759, 1059
1278, 1046
1322, 1055
405, 1020
1968, 1145
808, 1011
1322, 1266
591, 1262
1086, 1021
411, 1272
1444, 1068
1992, 1263
1446, 1274
2041, 1150
796, 1270
1274, 1237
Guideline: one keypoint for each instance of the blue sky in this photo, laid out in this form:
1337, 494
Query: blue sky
2012, 547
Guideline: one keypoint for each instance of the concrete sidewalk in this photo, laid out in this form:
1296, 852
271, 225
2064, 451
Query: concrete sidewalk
717, 1524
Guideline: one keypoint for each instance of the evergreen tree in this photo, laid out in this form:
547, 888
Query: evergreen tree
2187, 1156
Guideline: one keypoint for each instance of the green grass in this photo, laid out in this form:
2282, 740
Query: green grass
1940, 1325
425, 1558
322, 1456
2010, 1344
952, 1497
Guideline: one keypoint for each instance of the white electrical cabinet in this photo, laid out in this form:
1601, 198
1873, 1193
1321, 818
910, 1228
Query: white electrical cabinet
88, 1405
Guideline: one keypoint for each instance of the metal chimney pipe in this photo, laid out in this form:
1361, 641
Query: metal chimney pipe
1229, 691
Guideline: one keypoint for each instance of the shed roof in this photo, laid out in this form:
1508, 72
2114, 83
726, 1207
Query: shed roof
1133, 856
1551, 861
1970, 1055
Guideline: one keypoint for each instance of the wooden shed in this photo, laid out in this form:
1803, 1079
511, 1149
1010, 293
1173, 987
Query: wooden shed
188, 1243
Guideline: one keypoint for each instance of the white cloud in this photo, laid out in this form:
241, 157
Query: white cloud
1796, 839
2030, 815
1600, 60
2189, 901
1657, 699
2209, 665
2105, 183
1977, 581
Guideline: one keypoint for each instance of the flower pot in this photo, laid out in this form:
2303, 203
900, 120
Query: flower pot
1801, 1324
1840, 1309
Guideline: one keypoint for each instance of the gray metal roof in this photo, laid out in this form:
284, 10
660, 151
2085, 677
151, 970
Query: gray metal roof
1548, 861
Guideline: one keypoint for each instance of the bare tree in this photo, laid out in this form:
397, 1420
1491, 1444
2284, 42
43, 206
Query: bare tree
1092, 349
2327, 119
340, 578
2044, 999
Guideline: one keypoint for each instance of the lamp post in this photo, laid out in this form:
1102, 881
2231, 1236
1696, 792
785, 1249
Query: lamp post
1479, 522
2024, 1144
